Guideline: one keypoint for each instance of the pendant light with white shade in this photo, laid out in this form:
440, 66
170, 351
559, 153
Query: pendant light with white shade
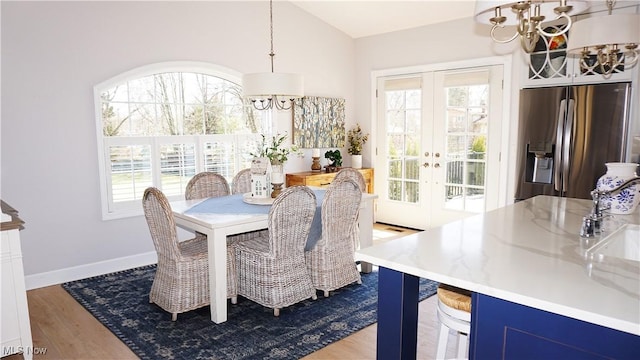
613, 39
272, 89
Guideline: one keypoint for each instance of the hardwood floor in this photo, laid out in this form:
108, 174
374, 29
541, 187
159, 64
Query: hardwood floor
63, 329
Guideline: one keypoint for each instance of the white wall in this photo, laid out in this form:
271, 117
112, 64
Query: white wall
53, 53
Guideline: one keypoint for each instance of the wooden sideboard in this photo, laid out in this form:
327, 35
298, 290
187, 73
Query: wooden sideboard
16, 329
323, 179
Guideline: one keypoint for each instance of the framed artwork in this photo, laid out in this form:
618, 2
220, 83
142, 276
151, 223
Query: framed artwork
318, 122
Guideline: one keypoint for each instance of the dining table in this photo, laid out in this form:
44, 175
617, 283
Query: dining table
223, 216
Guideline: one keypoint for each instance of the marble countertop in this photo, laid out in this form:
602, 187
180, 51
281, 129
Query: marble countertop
528, 253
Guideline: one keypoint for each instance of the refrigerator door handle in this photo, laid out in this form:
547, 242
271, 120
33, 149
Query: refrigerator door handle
566, 144
559, 136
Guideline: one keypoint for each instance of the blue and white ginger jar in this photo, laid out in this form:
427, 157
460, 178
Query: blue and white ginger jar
623, 201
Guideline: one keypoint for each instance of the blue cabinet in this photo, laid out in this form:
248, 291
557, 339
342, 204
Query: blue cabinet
504, 330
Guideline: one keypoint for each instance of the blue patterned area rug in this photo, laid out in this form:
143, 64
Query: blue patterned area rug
121, 302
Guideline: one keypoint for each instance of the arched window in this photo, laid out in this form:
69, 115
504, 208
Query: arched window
161, 124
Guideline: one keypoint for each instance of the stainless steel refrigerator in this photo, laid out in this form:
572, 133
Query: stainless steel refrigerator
567, 134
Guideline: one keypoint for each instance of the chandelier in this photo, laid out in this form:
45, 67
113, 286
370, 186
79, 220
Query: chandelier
271, 89
606, 41
528, 17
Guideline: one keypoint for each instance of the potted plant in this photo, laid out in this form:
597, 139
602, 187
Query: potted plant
356, 139
277, 153
335, 160
274, 150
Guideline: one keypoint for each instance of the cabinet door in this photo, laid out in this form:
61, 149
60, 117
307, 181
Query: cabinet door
10, 321
504, 330
549, 64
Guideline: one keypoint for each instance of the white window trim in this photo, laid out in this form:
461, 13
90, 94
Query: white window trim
103, 158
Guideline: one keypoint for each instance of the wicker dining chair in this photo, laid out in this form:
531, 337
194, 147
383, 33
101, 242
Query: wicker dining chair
181, 282
271, 268
207, 185
331, 262
241, 182
350, 173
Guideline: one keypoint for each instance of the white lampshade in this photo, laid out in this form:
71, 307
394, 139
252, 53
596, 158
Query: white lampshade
263, 85
486, 9
620, 29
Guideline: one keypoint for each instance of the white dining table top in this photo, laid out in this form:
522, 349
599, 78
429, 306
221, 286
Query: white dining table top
211, 220
180, 207
529, 253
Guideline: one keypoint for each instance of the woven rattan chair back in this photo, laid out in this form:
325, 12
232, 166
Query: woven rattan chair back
208, 185
331, 262
205, 185
340, 212
355, 175
162, 225
290, 220
271, 267
241, 183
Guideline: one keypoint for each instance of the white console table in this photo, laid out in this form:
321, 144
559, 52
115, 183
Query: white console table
16, 329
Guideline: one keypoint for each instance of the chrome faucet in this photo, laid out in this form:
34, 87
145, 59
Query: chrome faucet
592, 223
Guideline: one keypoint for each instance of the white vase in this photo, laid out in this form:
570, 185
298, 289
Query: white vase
277, 173
356, 161
623, 201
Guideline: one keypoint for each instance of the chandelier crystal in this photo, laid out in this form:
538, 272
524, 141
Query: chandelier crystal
271, 89
528, 17
606, 42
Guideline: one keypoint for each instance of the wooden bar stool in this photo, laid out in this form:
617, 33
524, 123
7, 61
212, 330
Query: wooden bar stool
454, 312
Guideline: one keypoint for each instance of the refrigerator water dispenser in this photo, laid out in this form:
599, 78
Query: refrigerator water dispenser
539, 163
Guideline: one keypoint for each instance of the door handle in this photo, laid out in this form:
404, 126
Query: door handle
425, 165
437, 155
566, 144
557, 176
436, 165
426, 153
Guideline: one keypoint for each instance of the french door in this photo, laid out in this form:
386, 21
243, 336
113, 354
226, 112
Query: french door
438, 145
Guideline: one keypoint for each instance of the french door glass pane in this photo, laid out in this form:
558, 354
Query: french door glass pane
403, 125
475, 173
412, 194
466, 126
395, 168
412, 145
395, 121
413, 121
457, 96
395, 190
395, 145
412, 169
455, 172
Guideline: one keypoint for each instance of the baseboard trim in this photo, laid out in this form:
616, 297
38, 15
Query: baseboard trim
55, 277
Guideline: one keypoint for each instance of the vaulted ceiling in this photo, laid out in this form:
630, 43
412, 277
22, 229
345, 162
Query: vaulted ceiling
360, 18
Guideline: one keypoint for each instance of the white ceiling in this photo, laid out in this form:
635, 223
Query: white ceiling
359, 18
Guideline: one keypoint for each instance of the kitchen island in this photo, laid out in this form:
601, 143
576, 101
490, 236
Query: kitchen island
539, 289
